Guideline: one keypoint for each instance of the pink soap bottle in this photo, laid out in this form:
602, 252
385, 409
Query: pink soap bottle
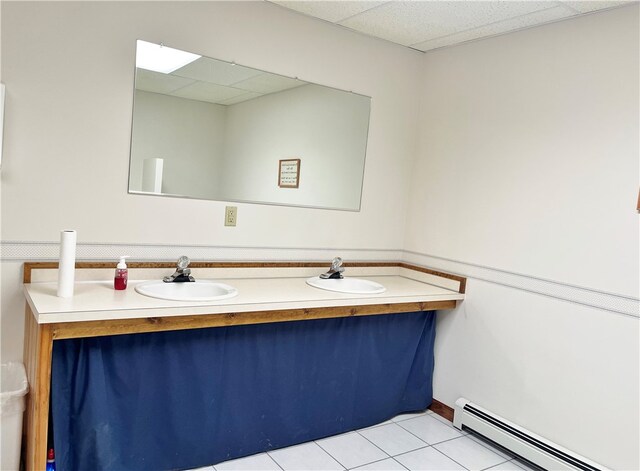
122, 274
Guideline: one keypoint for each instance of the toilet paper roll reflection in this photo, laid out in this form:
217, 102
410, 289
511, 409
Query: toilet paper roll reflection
152, 175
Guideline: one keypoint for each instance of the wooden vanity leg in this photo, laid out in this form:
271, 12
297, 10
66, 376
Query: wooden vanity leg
38, 347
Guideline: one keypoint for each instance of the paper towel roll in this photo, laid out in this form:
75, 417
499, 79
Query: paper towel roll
152, 175
67, 264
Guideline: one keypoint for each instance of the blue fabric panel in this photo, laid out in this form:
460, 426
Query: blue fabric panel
184, 399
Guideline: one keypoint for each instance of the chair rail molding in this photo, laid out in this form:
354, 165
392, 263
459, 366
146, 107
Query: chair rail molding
611, 302
48, 251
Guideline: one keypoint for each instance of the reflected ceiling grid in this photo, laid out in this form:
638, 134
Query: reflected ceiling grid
214, 81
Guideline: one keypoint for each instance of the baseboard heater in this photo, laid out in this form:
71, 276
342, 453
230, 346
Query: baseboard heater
518, 440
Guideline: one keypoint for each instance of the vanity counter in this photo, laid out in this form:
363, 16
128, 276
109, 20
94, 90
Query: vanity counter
98, 301
268, 292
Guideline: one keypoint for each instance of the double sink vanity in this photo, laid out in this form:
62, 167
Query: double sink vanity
224, 294
232, 329
182, 286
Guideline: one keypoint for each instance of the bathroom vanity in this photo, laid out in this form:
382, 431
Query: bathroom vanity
267, 293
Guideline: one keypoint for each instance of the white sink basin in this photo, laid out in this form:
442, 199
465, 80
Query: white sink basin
347, 285
199, 290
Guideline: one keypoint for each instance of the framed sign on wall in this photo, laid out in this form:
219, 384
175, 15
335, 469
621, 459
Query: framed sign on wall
289, 173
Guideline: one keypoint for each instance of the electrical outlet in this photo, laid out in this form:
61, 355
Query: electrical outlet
230, 215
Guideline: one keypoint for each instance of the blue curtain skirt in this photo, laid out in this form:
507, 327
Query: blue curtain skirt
184, 399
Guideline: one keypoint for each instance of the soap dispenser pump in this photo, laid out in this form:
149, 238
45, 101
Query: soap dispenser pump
122, 274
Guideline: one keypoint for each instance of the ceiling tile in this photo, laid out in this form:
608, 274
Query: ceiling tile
204, 91
329, 10
587, 6
211, 70
268, 83
406, 22
429, 24
532, 19
240, 98
158, 82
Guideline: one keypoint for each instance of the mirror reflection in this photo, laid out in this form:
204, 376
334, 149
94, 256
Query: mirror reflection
209, 129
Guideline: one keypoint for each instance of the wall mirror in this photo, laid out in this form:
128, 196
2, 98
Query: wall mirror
209, 129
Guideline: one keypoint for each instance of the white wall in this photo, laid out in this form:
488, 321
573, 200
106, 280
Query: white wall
187, 134
528, 162
325, 128
69, 71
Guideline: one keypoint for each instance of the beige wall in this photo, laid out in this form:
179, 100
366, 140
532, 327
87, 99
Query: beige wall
69, 70
527, 168
526, 161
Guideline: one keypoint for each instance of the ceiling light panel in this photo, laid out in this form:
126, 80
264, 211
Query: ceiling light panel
159, 58
332, 11
409, 23
501, 27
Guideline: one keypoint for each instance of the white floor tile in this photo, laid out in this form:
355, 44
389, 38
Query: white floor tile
428, 459
392, 439
506, 466
260, 462
401, 417
385, 465
469, 453
351, 450
386, 422
430, 429
449, 423
305, 457
442, 419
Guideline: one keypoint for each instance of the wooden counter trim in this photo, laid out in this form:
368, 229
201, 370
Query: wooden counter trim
29, 266
67, 330
38, 350
462, 280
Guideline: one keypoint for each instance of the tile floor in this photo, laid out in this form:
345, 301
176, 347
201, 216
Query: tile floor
413, 442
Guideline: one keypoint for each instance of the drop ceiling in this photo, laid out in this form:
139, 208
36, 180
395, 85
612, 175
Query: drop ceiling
420, 25
428, 25
214, 81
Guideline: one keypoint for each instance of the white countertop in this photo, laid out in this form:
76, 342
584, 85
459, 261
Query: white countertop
97, 300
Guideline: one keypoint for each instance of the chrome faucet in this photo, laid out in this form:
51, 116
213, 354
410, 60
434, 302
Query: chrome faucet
182, 274
335, 272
